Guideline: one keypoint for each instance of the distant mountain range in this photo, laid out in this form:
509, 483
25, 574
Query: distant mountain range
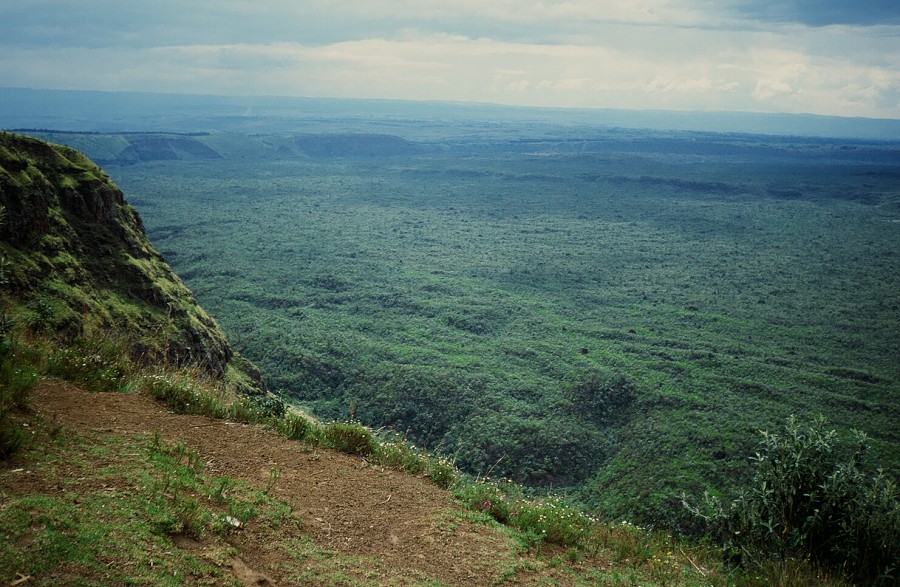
95, 111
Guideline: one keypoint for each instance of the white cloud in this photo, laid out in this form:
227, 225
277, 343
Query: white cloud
766, 89
666, 12
680, 54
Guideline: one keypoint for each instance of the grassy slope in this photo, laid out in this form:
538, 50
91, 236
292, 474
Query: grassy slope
166, 499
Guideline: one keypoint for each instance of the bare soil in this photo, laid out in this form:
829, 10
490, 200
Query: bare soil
344, 504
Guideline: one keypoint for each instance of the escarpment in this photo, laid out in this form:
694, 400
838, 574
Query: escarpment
81, 264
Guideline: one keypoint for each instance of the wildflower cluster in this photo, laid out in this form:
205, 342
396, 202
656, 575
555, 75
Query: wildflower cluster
665, 569
400, 454
442, 472
96, 367
495, 498
553, 520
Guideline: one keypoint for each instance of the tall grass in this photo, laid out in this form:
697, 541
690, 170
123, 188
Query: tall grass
94, 362
17, 378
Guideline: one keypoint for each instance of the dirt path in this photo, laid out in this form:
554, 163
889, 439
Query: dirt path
344, 503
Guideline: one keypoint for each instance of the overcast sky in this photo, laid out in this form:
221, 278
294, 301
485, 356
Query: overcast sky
837, 57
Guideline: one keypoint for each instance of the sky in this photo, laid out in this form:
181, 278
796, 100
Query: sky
831, 57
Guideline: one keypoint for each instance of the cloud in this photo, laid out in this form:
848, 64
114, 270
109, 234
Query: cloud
104, 23
664, 83
679, 54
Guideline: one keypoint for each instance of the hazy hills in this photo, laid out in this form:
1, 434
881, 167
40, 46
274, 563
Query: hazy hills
128, 148
92, 111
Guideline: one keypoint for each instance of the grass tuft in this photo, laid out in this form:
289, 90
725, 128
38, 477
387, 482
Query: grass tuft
351, 437
96, 363
17, 378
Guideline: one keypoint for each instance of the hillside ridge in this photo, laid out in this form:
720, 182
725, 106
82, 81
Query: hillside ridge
81, 264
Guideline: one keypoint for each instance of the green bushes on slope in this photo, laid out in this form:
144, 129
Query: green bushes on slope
811, 498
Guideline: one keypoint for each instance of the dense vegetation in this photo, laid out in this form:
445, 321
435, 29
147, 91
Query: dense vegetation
808, 500
618, 313
621, 322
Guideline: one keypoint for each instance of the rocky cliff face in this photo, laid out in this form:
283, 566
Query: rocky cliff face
82, 265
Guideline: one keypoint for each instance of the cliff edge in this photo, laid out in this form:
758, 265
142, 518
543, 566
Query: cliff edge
80, 264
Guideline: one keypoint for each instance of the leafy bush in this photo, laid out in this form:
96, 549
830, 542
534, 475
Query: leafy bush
811, 500
269, 406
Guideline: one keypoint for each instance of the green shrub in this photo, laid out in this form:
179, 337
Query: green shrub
183, 394
11, 438
625, 541
792, 572
603, 397
811, 500
552, 520
351, 437
491, 497
244, 410
180, 392
176, 508
4, 270
269, 406
175, 391
17, 379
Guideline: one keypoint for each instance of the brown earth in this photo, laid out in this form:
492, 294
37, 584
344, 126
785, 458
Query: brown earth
343, 503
